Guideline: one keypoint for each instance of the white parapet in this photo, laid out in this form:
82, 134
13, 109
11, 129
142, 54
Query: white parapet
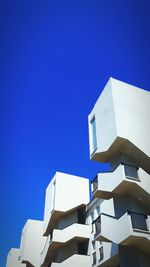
13, 258
128, 229
32, 243
64, 193
119, 122
59, 237
124, 179
74, 261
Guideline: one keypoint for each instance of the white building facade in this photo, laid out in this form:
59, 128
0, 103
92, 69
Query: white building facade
113, 228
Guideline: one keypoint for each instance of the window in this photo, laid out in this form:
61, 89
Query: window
53, 199
101, 254
98, 210
93, 130
92, 219
93, 244
97, 226
131, 172
94, 258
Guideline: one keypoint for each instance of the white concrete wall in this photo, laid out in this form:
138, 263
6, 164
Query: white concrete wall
68, 220
123, 111
67, 251
132, 114
118, 205
70, 192
74, 261
70, 232
73, 232
13, 258
32, 242
121, 228
103, 111
109, 181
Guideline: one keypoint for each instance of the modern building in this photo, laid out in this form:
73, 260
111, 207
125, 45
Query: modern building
113, 228
119, 133
64, 222
31, 245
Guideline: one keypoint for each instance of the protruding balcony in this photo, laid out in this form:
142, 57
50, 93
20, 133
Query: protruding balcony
32, 242
125, 179
59, 238
13, 258
130, 229
74, 261
61, 198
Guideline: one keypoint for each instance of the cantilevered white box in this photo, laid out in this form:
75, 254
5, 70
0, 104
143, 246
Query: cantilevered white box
32, 243
120, 123
64, 194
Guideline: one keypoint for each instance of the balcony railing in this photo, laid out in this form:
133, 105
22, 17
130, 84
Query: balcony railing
131, 172
138, 221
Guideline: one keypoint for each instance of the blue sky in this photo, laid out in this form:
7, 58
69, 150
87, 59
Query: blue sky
56, 57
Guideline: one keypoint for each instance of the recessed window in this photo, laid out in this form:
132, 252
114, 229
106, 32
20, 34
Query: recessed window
93, 131
131, 172
92, 219
93, 244
101, 254
94, 258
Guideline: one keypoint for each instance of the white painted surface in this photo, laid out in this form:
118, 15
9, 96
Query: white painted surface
74, 231
121, 228
32, 242
74, 261
13, 258
70, 192
70, 232
123, 111
109, 181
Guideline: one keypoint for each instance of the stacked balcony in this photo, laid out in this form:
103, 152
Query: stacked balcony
119, 134
130, 229
59, 238
124, 180
64, 222
74, 260
32, 243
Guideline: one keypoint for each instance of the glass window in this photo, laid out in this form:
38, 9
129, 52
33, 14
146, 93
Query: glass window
101, 254
93, 244
131, 171
94, 258
94, 140
92, 219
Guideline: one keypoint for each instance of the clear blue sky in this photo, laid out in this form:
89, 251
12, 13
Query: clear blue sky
56, 57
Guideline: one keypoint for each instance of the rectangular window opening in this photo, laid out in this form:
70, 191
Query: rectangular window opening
94, 258
101, 253
93, 130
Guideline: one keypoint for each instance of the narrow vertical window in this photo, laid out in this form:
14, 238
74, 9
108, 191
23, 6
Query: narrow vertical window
92, 219
101, 253
53, 200
93, 244
93, 130
94, 258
